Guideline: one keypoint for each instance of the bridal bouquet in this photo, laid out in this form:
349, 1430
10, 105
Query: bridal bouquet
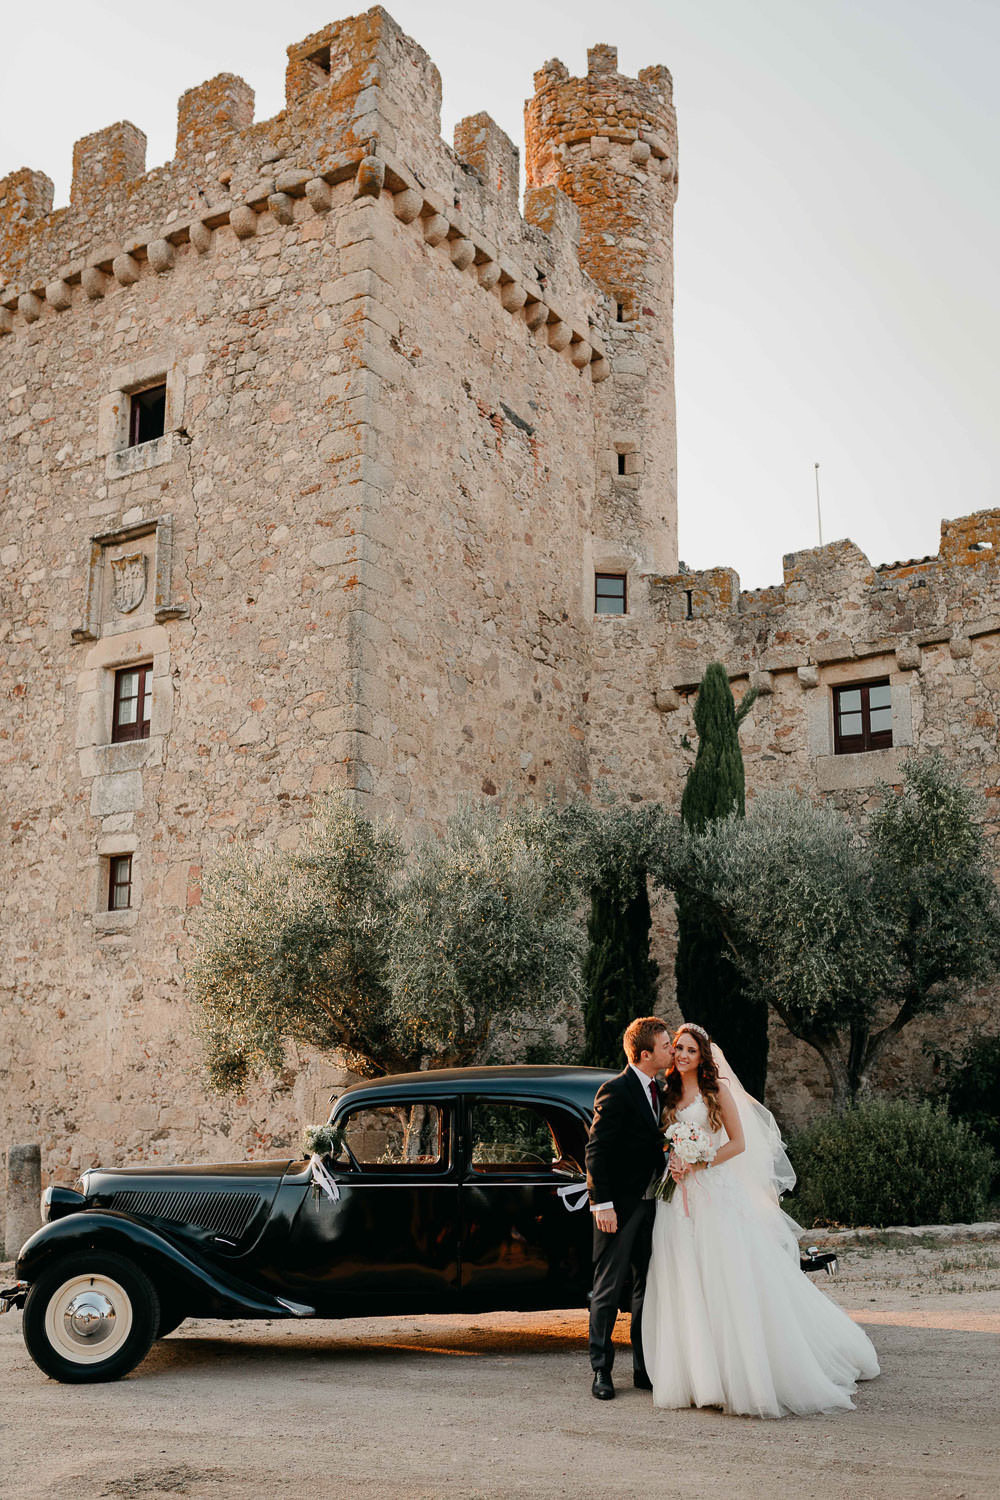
690, 1144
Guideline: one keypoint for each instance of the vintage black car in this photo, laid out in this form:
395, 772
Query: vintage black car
443, 1191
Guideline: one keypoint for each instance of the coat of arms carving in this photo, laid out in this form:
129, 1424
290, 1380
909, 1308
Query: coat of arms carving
128, 581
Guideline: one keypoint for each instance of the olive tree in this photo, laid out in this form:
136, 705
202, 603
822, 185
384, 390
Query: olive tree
848, 934
393, 959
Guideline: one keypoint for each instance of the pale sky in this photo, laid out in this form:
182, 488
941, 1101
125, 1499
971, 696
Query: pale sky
837, 233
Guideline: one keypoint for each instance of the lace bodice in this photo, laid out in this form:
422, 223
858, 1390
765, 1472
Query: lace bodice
696, 1113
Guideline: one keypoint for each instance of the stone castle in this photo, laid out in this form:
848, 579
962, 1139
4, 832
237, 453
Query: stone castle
324, 464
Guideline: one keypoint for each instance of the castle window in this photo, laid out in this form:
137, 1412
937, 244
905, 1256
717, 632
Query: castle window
119, 882
147, 414
862, 717
132, 701
609, 594
621, 463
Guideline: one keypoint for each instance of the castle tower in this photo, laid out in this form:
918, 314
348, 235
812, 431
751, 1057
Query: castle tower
609, 143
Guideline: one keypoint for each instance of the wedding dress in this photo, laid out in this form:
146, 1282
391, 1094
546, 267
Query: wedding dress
729, 1318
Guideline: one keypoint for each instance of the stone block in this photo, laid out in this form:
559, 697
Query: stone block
436, 229
491, 153
282, 207
59, 294
762, 683
161, 255
407, 205
25, 197
126, 270
243, 221
908, 658
959, 648
536, 314
200, 236
842, 773
463, 253
118, 793
24, 1189
371, 177
212, 112
319, 195
95, 282
107, 160
555, 213
30, 305
808, 676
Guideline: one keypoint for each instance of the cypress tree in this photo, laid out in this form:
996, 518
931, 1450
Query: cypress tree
619, 975
708, 985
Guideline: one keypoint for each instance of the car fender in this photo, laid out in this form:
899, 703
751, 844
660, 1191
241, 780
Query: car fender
213, 1291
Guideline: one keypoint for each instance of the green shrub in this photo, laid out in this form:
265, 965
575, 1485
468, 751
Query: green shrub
973, 1087
889, 1162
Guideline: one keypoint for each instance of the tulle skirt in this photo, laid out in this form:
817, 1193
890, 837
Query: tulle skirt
729, 1320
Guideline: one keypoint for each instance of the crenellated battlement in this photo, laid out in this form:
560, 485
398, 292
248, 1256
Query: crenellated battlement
362, 100
837, 570
896, 610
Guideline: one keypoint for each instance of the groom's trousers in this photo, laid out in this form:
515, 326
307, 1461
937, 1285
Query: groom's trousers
615, 1255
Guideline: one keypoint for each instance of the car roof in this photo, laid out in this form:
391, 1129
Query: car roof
571, 1085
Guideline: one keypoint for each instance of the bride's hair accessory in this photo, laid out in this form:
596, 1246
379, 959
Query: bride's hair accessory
698, 1030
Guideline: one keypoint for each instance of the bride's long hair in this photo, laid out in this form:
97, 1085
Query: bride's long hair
708, 1081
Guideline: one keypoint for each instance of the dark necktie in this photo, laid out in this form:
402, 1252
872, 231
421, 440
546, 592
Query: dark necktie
653, 1096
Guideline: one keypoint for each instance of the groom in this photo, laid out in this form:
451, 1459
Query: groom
624, 1159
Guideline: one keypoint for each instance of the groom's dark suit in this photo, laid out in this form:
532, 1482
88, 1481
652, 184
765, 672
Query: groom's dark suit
624, 1156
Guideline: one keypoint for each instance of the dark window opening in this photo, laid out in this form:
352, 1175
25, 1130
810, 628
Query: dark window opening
621, 312
689, 596
147, 415
130, 713
621, 463
862, 717
609, 594
320, 60
119, 882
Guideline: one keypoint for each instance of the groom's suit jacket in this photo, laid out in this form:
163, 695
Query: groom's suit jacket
625, 1148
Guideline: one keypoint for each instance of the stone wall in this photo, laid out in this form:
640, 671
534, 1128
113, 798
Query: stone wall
931, 627
361, 553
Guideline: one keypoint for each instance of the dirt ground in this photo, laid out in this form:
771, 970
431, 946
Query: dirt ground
499, 1406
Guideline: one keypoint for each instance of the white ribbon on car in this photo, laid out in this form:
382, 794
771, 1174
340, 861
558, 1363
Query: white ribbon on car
323, 1179
577, 1190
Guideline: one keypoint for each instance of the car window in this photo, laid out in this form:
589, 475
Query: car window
386, 1137
513, 1136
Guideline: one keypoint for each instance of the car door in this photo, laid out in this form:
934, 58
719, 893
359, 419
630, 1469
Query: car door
388, 1241
527, 1238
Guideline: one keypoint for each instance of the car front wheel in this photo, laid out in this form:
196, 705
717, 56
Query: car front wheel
91, 1317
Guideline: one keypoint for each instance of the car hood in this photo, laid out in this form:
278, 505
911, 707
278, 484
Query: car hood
225, 1203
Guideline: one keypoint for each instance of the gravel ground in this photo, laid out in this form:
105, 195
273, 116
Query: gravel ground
499, 1406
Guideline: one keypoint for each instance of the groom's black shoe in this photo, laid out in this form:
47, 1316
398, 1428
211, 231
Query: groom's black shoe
602, 1387
642, 1381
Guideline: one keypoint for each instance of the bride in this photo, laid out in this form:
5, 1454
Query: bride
729, 1319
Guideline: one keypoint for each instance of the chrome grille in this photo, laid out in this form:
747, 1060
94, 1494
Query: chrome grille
225, 1214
